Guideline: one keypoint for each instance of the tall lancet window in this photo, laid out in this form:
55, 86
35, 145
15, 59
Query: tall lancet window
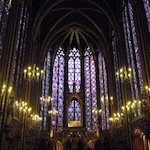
21, 44
4, 13
133, 54
46, 77
90, 90
45, 91
116, 67
58, 90
74, 111
74, 70
103, 92
147, 12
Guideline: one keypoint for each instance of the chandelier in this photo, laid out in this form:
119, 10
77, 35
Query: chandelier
33, 73
124, 73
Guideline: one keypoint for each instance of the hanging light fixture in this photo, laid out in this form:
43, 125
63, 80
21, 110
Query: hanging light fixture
124, 73
33, 73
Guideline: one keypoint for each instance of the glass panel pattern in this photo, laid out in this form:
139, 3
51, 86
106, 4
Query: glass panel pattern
45, 90
133, 56
21, 44
4, 13
103, 92
90, 90
74, 111
58, 90
74, 70
147, 12
115, 58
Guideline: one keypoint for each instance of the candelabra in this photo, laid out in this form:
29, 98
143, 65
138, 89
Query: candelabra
110, 102
146, 103
124, 75
24, 114
107, 108
45, 102
33, 73
147, 94
51, 112
129, 108
124, 114
46, 113
6, 112
27, 118
98, 113
147, 88
36, 125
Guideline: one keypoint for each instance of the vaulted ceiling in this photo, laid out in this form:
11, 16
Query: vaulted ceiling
75, 23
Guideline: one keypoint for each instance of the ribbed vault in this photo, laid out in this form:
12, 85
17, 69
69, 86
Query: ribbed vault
74, 23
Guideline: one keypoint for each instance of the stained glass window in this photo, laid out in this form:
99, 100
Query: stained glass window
103, 92
21, 43
132, 50
74, 111
147, 12
58, 90
90, 90
74, 70
116, 62
45, 90
46, 77
4, 12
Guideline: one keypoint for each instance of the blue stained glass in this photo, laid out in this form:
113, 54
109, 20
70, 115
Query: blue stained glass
90, 90
74, 70
103, 92
135, 42
45, 89
20, 43
147, 12
74, 111
132, 50
4, 13
58, 90
115, 58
